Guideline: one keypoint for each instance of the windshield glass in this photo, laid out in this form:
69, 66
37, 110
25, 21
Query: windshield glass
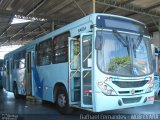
124, 54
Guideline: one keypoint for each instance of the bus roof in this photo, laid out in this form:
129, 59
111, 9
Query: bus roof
88, 18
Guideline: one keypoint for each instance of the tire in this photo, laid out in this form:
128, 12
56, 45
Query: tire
15, 91
62, 101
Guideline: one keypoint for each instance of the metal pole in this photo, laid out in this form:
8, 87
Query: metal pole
52, 25
159, 32
80, 8
94, 6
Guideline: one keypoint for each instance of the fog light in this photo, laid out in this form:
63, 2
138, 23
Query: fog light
145, 100
119, 103
151, 98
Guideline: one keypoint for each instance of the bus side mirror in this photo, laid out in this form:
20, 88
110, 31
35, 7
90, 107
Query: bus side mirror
99, 42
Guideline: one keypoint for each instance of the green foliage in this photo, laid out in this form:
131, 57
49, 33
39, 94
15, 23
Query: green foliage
117, 62
76, 50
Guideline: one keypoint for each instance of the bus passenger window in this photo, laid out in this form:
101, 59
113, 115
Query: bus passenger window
44, 53
22, 63
60, 48
19, 60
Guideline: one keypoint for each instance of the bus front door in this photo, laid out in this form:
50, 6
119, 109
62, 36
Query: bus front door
86, 69
28, 73
80, 70
74, 71
7, 83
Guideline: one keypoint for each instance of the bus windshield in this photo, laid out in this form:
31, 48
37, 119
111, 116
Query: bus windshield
124, 54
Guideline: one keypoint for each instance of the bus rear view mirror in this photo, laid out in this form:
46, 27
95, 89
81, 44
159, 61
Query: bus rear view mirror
99, 42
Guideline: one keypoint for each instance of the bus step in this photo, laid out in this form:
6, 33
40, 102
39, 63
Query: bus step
33, 99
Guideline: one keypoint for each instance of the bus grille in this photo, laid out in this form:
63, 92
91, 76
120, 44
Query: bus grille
130, 84
128, 92
131, 100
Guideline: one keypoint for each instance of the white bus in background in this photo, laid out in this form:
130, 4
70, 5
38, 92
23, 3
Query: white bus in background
1, 72
97, 63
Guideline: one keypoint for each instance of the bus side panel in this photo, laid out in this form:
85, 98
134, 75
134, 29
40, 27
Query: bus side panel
45, 77
5, 76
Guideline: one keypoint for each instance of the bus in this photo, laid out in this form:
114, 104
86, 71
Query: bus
1, 72
100, 62
156, 66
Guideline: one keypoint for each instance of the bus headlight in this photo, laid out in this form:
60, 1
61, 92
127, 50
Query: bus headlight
106, 89
150, 88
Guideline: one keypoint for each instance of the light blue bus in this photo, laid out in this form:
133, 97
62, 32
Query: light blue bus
100, 62
156, 66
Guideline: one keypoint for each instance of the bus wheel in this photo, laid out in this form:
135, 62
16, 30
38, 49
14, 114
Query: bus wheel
15, 91
62, 102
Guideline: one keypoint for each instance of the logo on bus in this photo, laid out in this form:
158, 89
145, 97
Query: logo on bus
132, 91
81, 29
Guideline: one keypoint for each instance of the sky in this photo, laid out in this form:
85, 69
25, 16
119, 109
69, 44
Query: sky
6, 49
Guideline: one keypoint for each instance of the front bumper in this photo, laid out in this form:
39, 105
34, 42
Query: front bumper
104, 103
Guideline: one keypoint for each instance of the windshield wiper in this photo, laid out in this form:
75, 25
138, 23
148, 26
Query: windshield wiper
136, 44
139, 39
121, 38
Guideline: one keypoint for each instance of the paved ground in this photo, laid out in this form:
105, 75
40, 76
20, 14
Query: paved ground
11, 109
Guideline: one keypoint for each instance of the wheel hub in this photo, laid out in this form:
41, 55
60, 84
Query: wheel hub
61, 100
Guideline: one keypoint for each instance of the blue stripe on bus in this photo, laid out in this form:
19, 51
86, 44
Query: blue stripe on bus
38, 82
